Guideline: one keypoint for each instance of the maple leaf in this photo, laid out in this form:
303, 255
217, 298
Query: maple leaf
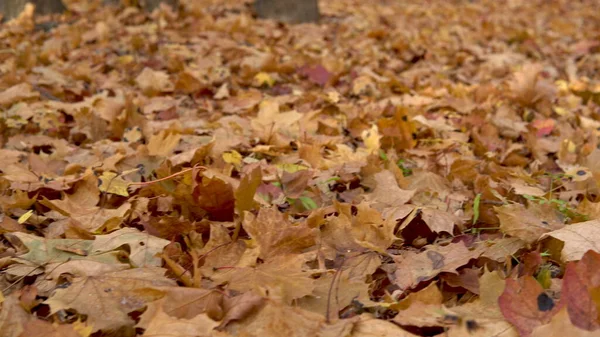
581, 283
152, 82
336, 289
39, 328
387, 190
16, 93
525, 304
281, 277
183, 303
528, 224
277, 319
275, 234
578, 239
414, 268
143, 248
560, 325
108, 298
162, 324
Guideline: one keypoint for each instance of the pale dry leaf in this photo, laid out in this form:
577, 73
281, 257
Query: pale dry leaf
282, 278
144, 249
107, 299
578, 239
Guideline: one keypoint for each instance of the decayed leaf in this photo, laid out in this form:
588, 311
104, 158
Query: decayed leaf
528, 224
107, 299
578, 239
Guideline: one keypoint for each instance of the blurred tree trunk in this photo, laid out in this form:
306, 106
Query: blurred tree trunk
146, 4
290, 11
12, 8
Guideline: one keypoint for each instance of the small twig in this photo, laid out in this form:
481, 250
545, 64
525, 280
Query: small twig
145, 183
335, 276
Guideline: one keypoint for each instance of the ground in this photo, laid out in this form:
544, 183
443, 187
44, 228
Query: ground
401, 168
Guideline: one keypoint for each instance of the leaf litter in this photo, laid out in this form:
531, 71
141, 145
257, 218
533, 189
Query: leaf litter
399, 169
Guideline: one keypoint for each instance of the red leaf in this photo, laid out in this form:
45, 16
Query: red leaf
316, 74
525, 304
581, 280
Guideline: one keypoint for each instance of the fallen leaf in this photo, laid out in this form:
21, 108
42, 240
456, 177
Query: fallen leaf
525, 304
281, 278
581, 282
114, 295
527, 224
276, 235
578, 239
416, 267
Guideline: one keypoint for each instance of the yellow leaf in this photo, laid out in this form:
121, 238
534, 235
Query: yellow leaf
110, 182
82, 329
25, 216
291, 168
233, 157
371, 138
263, 78
163, 143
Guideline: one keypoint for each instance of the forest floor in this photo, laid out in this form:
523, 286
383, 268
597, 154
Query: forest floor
402, 168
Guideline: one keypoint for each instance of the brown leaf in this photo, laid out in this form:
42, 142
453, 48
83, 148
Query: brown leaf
163, 325
414, 268
16, 93
152, 82
281, 277
107, 299
338, 288
275, 234
280, 320
244, 194
295, 183
239, 307
528, 224
39, 328
387, 190
184, 303
215, 195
